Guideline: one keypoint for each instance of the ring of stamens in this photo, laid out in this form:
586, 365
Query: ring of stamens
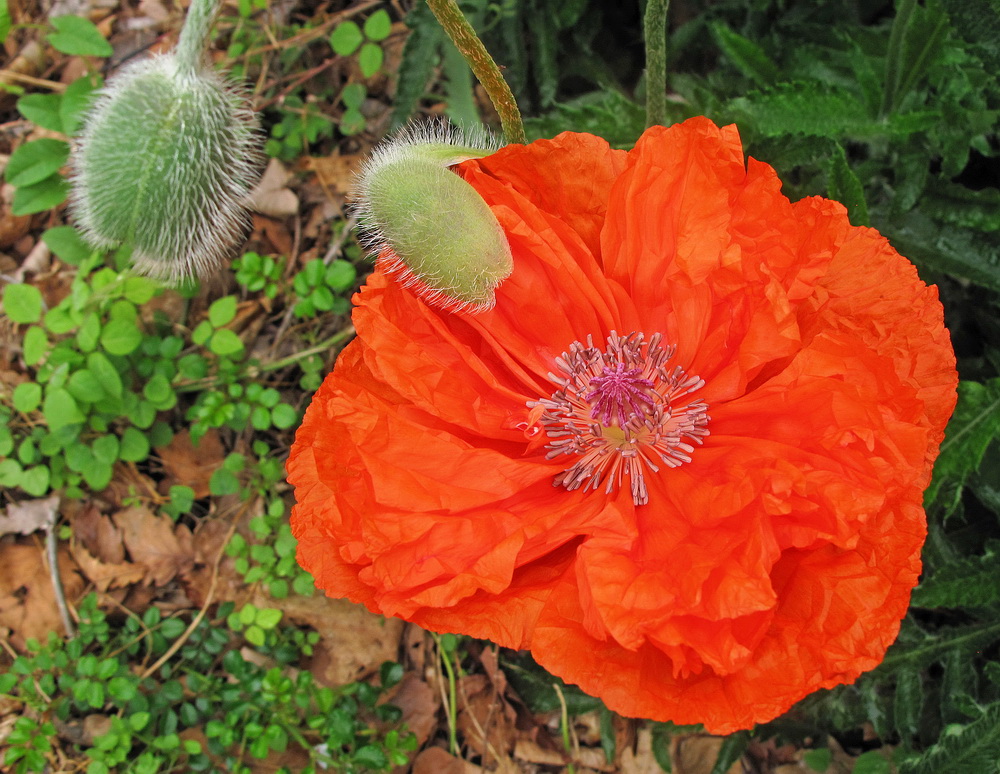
621, 412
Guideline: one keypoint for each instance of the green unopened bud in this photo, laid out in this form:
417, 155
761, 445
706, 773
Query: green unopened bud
429, 227
166, 158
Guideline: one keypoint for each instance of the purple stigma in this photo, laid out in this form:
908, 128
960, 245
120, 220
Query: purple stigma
620, 394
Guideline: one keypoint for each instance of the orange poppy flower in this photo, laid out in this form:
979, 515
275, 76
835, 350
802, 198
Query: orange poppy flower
681, 460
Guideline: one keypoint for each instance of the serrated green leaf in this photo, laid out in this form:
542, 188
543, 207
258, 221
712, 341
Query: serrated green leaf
918, 649
871, 762
973, 426
544, 44
420, 53
973, 748
949, 249
458, 83
960, 206
915, 43
843, 185
978, 22
803, 109
966, 582
909, 700
749, 58
607, 114
534, 685
731, 750
78, 36
818, 760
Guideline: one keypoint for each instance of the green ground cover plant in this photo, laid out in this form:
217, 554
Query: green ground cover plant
891, 108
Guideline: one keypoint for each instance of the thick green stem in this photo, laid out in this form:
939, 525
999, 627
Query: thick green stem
483, 67
655, 30
194, 35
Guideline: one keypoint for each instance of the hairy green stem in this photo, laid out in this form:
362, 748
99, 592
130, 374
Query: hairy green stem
655, 30
483, 67
894, 55
194, 35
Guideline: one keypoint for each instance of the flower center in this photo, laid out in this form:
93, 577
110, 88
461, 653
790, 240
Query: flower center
620, 412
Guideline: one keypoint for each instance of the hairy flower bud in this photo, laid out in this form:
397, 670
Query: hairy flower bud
166, 158
429, 227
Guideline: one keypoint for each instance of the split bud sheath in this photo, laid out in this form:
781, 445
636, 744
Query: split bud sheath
427, 226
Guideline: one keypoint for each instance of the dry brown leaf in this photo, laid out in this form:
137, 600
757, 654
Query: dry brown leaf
434, 760
419, 704
210, 539
485, 720
276, 232
83, 732
642, 760
165, 549
190, 465
154, 10
27, 600
353, 642
37, 261
29, 516
271, 196
532, 752
98, 535
336, 173
104, 575
697, 754
12, 227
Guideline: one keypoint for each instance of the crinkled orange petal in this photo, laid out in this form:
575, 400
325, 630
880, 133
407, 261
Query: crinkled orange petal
778, 560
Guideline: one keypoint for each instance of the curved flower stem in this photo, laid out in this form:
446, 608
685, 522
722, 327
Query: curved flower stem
655, 30
194, 35
485, 69
451, 710
255, 371
564, 728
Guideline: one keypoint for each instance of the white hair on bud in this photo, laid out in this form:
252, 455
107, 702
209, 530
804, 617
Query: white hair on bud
166, 160
432, 144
